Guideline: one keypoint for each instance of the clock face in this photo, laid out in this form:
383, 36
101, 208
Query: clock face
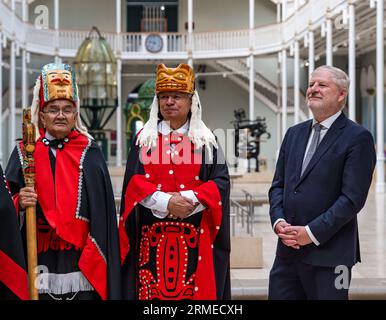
154, 43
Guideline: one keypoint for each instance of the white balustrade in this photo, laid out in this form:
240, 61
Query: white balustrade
176, 42
222, 40
132, 42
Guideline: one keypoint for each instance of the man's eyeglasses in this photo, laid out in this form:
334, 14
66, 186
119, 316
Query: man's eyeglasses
55, 112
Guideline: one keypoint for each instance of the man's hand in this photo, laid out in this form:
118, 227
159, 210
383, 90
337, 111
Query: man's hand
301, 237
287, 237
27, 197
179, 206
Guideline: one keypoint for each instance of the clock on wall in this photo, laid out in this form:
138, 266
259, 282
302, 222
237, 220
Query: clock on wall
154, 43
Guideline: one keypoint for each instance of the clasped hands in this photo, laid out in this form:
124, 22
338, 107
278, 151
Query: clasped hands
292, 236
180, 207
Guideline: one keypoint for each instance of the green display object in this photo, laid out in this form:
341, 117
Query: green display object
137, 112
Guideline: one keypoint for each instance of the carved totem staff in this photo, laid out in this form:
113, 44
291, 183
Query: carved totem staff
29, 179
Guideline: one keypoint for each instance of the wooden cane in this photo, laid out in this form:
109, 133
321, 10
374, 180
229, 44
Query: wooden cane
29, 179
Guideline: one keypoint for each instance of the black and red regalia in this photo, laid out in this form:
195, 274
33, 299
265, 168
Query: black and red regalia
78, 245
13, 275
175, 259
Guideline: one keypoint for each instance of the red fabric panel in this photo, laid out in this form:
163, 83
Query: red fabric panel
137, 189
209, 195
94, 268
58, 198
13, 276
15, 199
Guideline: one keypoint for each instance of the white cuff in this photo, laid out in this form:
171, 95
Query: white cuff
190, 194
157, 201
312, 237
276, 222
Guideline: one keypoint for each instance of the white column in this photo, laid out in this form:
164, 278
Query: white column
311, 52
278, 12
56, 27
118, 16
56, 14
284, 91
283, 10
351, 61
278, 134
24, 84
311, 57
12, 98
251, 61
25, 10
328, 40
1, 99
251, 87
296, 83
119, 113
380, 184
251, 14
119, 86
13, 6
190, 32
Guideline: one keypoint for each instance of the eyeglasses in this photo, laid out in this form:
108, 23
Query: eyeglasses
55, 112
173, 97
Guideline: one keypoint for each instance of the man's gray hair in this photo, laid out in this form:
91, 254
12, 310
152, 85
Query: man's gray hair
340, 77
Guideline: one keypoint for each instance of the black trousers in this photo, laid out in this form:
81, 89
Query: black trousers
294, 280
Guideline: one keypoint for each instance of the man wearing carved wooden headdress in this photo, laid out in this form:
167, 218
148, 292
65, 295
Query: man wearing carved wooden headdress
77, 237
174, 226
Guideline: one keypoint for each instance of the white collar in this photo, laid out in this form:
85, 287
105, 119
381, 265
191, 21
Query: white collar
327, 123
49, 136
165, 129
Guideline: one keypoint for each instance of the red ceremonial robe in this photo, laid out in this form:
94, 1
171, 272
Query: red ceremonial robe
170, 259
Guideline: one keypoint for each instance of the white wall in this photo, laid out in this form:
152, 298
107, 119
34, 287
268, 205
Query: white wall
225, 14
82, 15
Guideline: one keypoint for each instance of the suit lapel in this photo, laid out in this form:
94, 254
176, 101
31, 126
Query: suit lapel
302, 140
332, 134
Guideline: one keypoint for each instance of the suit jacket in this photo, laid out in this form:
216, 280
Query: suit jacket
329, 194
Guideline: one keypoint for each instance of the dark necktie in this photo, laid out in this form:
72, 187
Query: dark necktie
52, 161
314, 144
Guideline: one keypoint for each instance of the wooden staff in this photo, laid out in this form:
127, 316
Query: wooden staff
29, 179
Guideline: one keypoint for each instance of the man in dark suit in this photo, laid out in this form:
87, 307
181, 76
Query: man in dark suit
321, 182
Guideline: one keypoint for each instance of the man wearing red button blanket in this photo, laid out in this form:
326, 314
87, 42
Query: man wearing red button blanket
77, 236
174, 226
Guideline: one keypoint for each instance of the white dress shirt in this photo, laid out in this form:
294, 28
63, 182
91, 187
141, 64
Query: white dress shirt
327, 123
158, 201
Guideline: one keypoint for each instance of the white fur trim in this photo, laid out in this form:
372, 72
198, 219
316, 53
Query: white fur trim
63, 283
199, 133
149, 134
